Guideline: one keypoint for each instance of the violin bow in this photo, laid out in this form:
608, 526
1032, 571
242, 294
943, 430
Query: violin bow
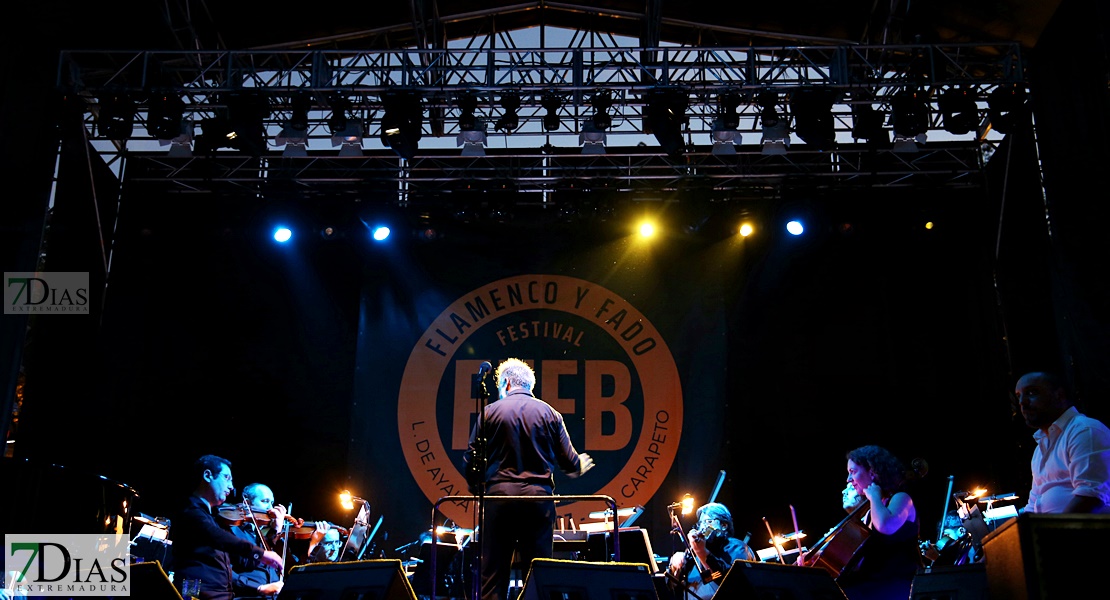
774, 543
862, 507
797, 534
257, 530
285, 544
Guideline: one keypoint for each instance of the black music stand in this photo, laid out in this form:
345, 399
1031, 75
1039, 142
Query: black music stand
446, 554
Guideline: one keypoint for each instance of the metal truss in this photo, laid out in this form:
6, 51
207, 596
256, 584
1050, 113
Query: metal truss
563, 82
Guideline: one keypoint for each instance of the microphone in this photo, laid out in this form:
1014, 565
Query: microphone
484, 368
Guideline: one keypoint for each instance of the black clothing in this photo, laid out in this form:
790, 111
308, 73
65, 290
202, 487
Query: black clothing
202, 549
886, 565
526, 440
247, 578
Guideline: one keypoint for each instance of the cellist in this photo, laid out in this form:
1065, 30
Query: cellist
891, 555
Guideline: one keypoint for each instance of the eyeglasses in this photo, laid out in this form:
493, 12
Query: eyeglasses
335, 543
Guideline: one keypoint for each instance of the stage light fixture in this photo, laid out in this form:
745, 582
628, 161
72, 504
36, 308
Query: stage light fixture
300, 104
776, 131
241, 129
591, 139
1005, 107
349, 139
867, 124
295, 142
294, 134
602, 101
509, 120
724, 138
665, 116
473, 140
958, 110
116, 117
909, 118
215, 133
551, 103
813, 119
727, 104
468, 121
163, 121
402, 123
181, 145
340, 105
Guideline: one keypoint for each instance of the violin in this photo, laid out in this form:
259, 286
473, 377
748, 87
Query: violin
237, 514
304, 532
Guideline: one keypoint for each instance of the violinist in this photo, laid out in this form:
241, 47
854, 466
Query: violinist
325, 544
256, 580
203, 549
713, 548
890, 555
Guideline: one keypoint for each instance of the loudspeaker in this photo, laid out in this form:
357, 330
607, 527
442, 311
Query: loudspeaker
758, 580
1037, 556
958, 582
553, 579
364, 579
149, 580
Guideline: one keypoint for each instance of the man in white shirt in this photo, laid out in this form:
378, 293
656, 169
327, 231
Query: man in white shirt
1071, 464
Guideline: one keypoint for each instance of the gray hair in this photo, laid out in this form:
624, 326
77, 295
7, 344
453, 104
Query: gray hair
517, 373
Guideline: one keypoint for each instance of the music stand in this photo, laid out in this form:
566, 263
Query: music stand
357, 539
446, 554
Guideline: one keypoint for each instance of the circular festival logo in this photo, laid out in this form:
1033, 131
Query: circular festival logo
598, 361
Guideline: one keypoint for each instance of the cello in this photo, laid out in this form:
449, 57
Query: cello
839, 548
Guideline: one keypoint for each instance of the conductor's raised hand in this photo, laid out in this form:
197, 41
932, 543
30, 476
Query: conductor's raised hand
585, 463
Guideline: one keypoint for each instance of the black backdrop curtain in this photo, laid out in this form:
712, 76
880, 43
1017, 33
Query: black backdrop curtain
674, 360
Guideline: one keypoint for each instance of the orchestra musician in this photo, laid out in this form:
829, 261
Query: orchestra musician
202, 547
325, 544
1071, 464
713, 548
256, 580
890, 556
850, 498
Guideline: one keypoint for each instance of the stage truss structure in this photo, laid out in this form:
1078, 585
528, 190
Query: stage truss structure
535, 112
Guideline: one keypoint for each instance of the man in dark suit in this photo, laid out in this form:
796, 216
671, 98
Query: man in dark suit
202, 547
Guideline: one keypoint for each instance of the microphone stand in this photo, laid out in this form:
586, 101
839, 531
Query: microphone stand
478, 471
